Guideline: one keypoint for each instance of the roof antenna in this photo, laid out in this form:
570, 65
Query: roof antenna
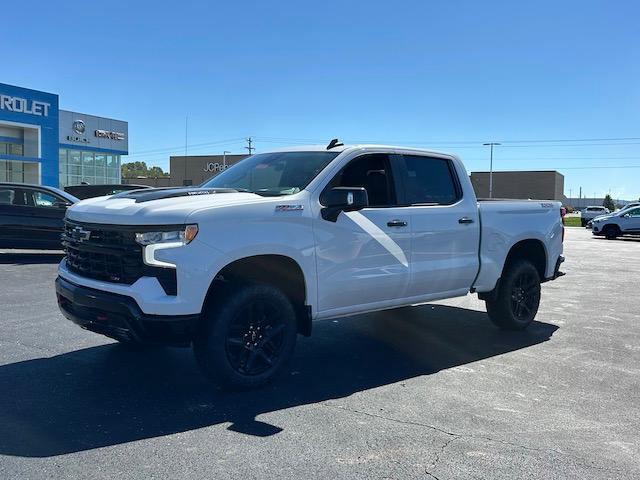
334, 143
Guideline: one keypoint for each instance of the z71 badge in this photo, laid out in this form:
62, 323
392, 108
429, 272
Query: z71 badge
289, 208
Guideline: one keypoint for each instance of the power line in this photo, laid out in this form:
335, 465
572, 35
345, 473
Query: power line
192, 145
459, 142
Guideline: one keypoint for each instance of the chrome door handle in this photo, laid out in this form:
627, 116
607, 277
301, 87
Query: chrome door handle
465, 220
396, 223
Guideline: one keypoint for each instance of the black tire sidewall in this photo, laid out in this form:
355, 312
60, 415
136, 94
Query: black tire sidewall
610, 232
210, 343
499, 308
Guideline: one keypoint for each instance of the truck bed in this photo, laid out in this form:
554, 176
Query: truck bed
505, 222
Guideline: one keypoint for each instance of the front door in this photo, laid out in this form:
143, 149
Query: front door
630, 221
363, 257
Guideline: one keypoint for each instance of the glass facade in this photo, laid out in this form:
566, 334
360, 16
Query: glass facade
95, 168
10, 148
19, 172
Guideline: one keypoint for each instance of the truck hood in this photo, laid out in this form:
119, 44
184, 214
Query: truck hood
160, 206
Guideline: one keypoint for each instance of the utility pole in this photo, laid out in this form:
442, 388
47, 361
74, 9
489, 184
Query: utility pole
491, 144
224, 159
249, 147
186, 133
580, 197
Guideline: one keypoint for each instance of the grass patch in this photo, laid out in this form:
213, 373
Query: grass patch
572, 222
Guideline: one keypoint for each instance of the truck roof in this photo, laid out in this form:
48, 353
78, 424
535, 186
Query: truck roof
362, 146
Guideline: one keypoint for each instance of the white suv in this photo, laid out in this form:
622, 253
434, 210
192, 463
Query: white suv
619, 223
592, 212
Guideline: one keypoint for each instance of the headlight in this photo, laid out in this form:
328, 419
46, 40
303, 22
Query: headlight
154, 241
182, 237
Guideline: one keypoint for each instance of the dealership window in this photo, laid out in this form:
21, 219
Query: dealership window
76, 166
10, 148
19, 172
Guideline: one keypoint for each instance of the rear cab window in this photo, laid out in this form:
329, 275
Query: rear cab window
428, 181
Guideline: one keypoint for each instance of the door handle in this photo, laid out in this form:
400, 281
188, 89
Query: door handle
396, 223
465, 220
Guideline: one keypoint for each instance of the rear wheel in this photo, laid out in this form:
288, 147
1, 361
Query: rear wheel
247, 340
611, 232
515, 304
583, 222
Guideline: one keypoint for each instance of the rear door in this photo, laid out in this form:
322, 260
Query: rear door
445, 227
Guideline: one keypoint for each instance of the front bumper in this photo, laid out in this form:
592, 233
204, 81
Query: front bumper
120, 317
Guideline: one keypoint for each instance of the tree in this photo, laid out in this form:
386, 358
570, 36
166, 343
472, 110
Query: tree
608, 203
140, 169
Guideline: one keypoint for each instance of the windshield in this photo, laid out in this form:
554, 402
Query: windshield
279, 173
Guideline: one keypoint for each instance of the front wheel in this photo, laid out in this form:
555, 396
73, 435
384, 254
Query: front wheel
515, 304
611, 232
248, 338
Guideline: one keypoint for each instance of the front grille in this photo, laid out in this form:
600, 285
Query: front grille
110, 253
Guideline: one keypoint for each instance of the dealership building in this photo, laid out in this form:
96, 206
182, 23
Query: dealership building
41, 144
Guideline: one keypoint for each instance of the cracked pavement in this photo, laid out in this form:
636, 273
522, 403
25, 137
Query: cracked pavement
432, 391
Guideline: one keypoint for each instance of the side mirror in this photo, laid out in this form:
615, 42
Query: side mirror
343, 199
61, 204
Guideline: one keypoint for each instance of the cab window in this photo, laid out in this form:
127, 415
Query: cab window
429, 181
373, 172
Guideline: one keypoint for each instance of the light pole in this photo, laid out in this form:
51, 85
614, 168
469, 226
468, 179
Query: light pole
224, 159
491, 144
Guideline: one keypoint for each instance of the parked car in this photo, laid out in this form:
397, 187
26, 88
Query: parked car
592, 212
240, 266
85, 191
31, 216
622, 222
623, 209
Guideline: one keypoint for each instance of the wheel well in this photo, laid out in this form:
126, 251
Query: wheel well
277, 270
612, 225
532, 250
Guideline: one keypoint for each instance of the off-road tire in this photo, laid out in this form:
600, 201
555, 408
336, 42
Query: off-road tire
255, 322
515, 303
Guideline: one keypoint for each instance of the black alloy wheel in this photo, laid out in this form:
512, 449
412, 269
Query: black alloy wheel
525, 295
247, 337
514, 304
256, 337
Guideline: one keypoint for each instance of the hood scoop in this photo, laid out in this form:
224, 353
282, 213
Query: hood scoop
147, 195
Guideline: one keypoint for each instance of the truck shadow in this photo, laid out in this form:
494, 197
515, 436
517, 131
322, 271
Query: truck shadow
107, 395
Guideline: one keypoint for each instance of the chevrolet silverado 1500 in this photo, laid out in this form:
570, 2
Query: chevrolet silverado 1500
241, 265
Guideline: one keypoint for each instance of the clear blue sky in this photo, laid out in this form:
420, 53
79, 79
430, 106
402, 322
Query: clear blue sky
433, 73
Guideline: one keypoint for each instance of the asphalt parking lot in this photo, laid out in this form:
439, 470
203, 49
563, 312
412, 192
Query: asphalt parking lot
429, 391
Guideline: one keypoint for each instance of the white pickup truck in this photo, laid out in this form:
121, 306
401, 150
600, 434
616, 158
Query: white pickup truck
242, 264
